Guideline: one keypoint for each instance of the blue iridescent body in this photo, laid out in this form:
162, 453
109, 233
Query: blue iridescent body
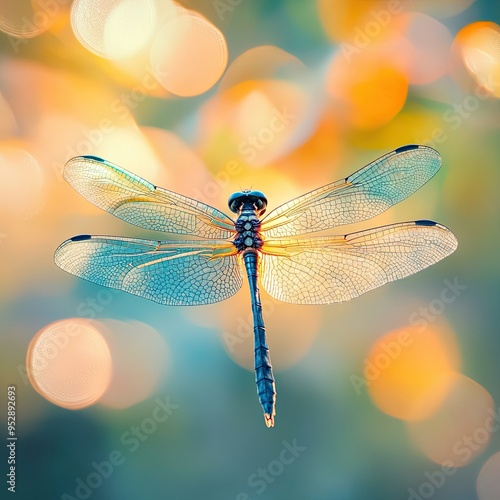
250, 206
275, 251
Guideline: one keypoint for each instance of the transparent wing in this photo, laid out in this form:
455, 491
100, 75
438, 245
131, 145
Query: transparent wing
139, 202
168, 272
326, 269
361, 196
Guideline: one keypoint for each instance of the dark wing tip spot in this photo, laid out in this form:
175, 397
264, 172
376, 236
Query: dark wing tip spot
425, 223
96, 158
408, 147
81, 237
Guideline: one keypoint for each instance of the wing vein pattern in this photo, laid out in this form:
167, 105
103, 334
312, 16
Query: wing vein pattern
167, 272
139, 202
329, 269
360, 196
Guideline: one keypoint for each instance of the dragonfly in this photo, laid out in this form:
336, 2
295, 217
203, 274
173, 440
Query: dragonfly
275, 251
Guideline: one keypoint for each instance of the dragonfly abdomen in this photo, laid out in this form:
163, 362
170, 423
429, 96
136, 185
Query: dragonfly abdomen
264, 377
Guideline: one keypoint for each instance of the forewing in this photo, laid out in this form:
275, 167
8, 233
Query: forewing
167, 272
141, 203
324, 270
363, 195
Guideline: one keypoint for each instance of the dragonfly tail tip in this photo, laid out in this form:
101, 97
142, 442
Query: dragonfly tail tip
269, 419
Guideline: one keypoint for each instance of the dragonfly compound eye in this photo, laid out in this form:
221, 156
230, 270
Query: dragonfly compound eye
256, 199
236, 201
259, 200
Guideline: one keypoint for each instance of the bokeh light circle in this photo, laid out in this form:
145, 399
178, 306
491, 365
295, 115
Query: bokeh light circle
188, 55
369, 90
478, 47
28, 18
113, 29
461, 426
69, 363
488, 481
408, 370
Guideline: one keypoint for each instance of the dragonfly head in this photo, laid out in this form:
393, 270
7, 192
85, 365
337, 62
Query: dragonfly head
251, 199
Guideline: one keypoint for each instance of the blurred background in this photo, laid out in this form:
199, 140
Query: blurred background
394, 395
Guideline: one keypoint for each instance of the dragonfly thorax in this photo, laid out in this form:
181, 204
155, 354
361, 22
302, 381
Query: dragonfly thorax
247, 199
248, 227
249, 205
